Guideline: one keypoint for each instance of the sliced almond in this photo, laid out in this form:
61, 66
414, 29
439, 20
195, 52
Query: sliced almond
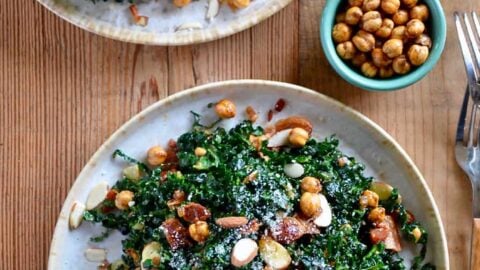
96, 254
244, 251
97, 195
294, 122
231, 222
213, 7
189, 26
132, 172
325, 217
151, 251
280, 138
274, 254
76, 215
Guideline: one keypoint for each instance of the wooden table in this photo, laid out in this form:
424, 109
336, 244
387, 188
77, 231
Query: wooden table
64, 91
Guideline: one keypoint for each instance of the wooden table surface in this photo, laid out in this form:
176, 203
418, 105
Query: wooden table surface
64, 91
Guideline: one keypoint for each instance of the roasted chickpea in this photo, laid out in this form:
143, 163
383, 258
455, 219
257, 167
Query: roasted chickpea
371, 21
420, 12
341, 32
376, 215
393, 48
252, 115
225, 109
199, 231
200, 151
410, 3
369, 199
123, 199
369, 5
400, 17
340, 17
181, 3
424, 40
156, 156
401, 65
353, 15
390, 6
311, 184
343, 161
380, 59
369, 69
386, 72
359, 59
346, 50
298, 137
418, 54
386, 29
355, 3
364, 41
310, 204
399, 33
414, 28
239, 3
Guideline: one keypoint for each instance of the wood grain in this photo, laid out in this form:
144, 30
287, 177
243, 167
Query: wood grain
64, 91
475, 259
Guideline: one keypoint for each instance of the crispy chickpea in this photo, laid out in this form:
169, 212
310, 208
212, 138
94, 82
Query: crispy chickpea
409, 3
424, 40
251, 114
343, 161
364, 41
311, 184
298, 137
369, 69
341, 32
371, 21
123, 199
418, 54
386, 72
199, 231
420, 12
401, 65
156, 156
386, 29
346, 50
200, 151
340, 17
181, 3
369, 199
355, 3
359, 59
400, 17
393, 48
225, 109
380, 59
353, 15
369, 5
390, 6
414, 28
310, 204
376, 215
399, 32
239, 3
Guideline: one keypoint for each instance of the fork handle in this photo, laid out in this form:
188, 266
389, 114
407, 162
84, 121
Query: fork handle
475, 252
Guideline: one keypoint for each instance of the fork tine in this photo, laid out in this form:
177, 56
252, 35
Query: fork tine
467, 56
476, 23
473, 41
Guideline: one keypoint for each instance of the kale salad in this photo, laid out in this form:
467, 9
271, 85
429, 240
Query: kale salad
251, 197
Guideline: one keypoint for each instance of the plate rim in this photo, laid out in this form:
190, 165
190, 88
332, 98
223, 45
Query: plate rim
248, 82
163, 39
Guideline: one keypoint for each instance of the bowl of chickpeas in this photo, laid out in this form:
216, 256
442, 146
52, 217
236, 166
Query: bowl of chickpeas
383, 45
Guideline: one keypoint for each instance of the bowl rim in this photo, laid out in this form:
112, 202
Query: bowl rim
355, 78
131, 35
375, 128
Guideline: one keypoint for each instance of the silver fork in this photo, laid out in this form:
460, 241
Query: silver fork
467, 145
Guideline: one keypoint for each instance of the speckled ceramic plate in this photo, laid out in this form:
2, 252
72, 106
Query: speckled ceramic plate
169, 118
113, 20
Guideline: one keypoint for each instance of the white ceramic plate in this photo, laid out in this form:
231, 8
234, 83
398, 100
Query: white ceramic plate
113, 20
170, 117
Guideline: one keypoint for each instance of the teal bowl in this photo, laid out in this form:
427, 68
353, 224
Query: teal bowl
437, 27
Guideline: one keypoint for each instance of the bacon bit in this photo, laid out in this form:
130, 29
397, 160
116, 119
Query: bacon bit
387, 233
133, 254
288, 230
137, 18
378, 235
280, 105
111, 195
171, 162
177, 199
251, 177
410, 217
107, 209
294, 122
251, 227
251, 114
270, 115
175, 233
193, 212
